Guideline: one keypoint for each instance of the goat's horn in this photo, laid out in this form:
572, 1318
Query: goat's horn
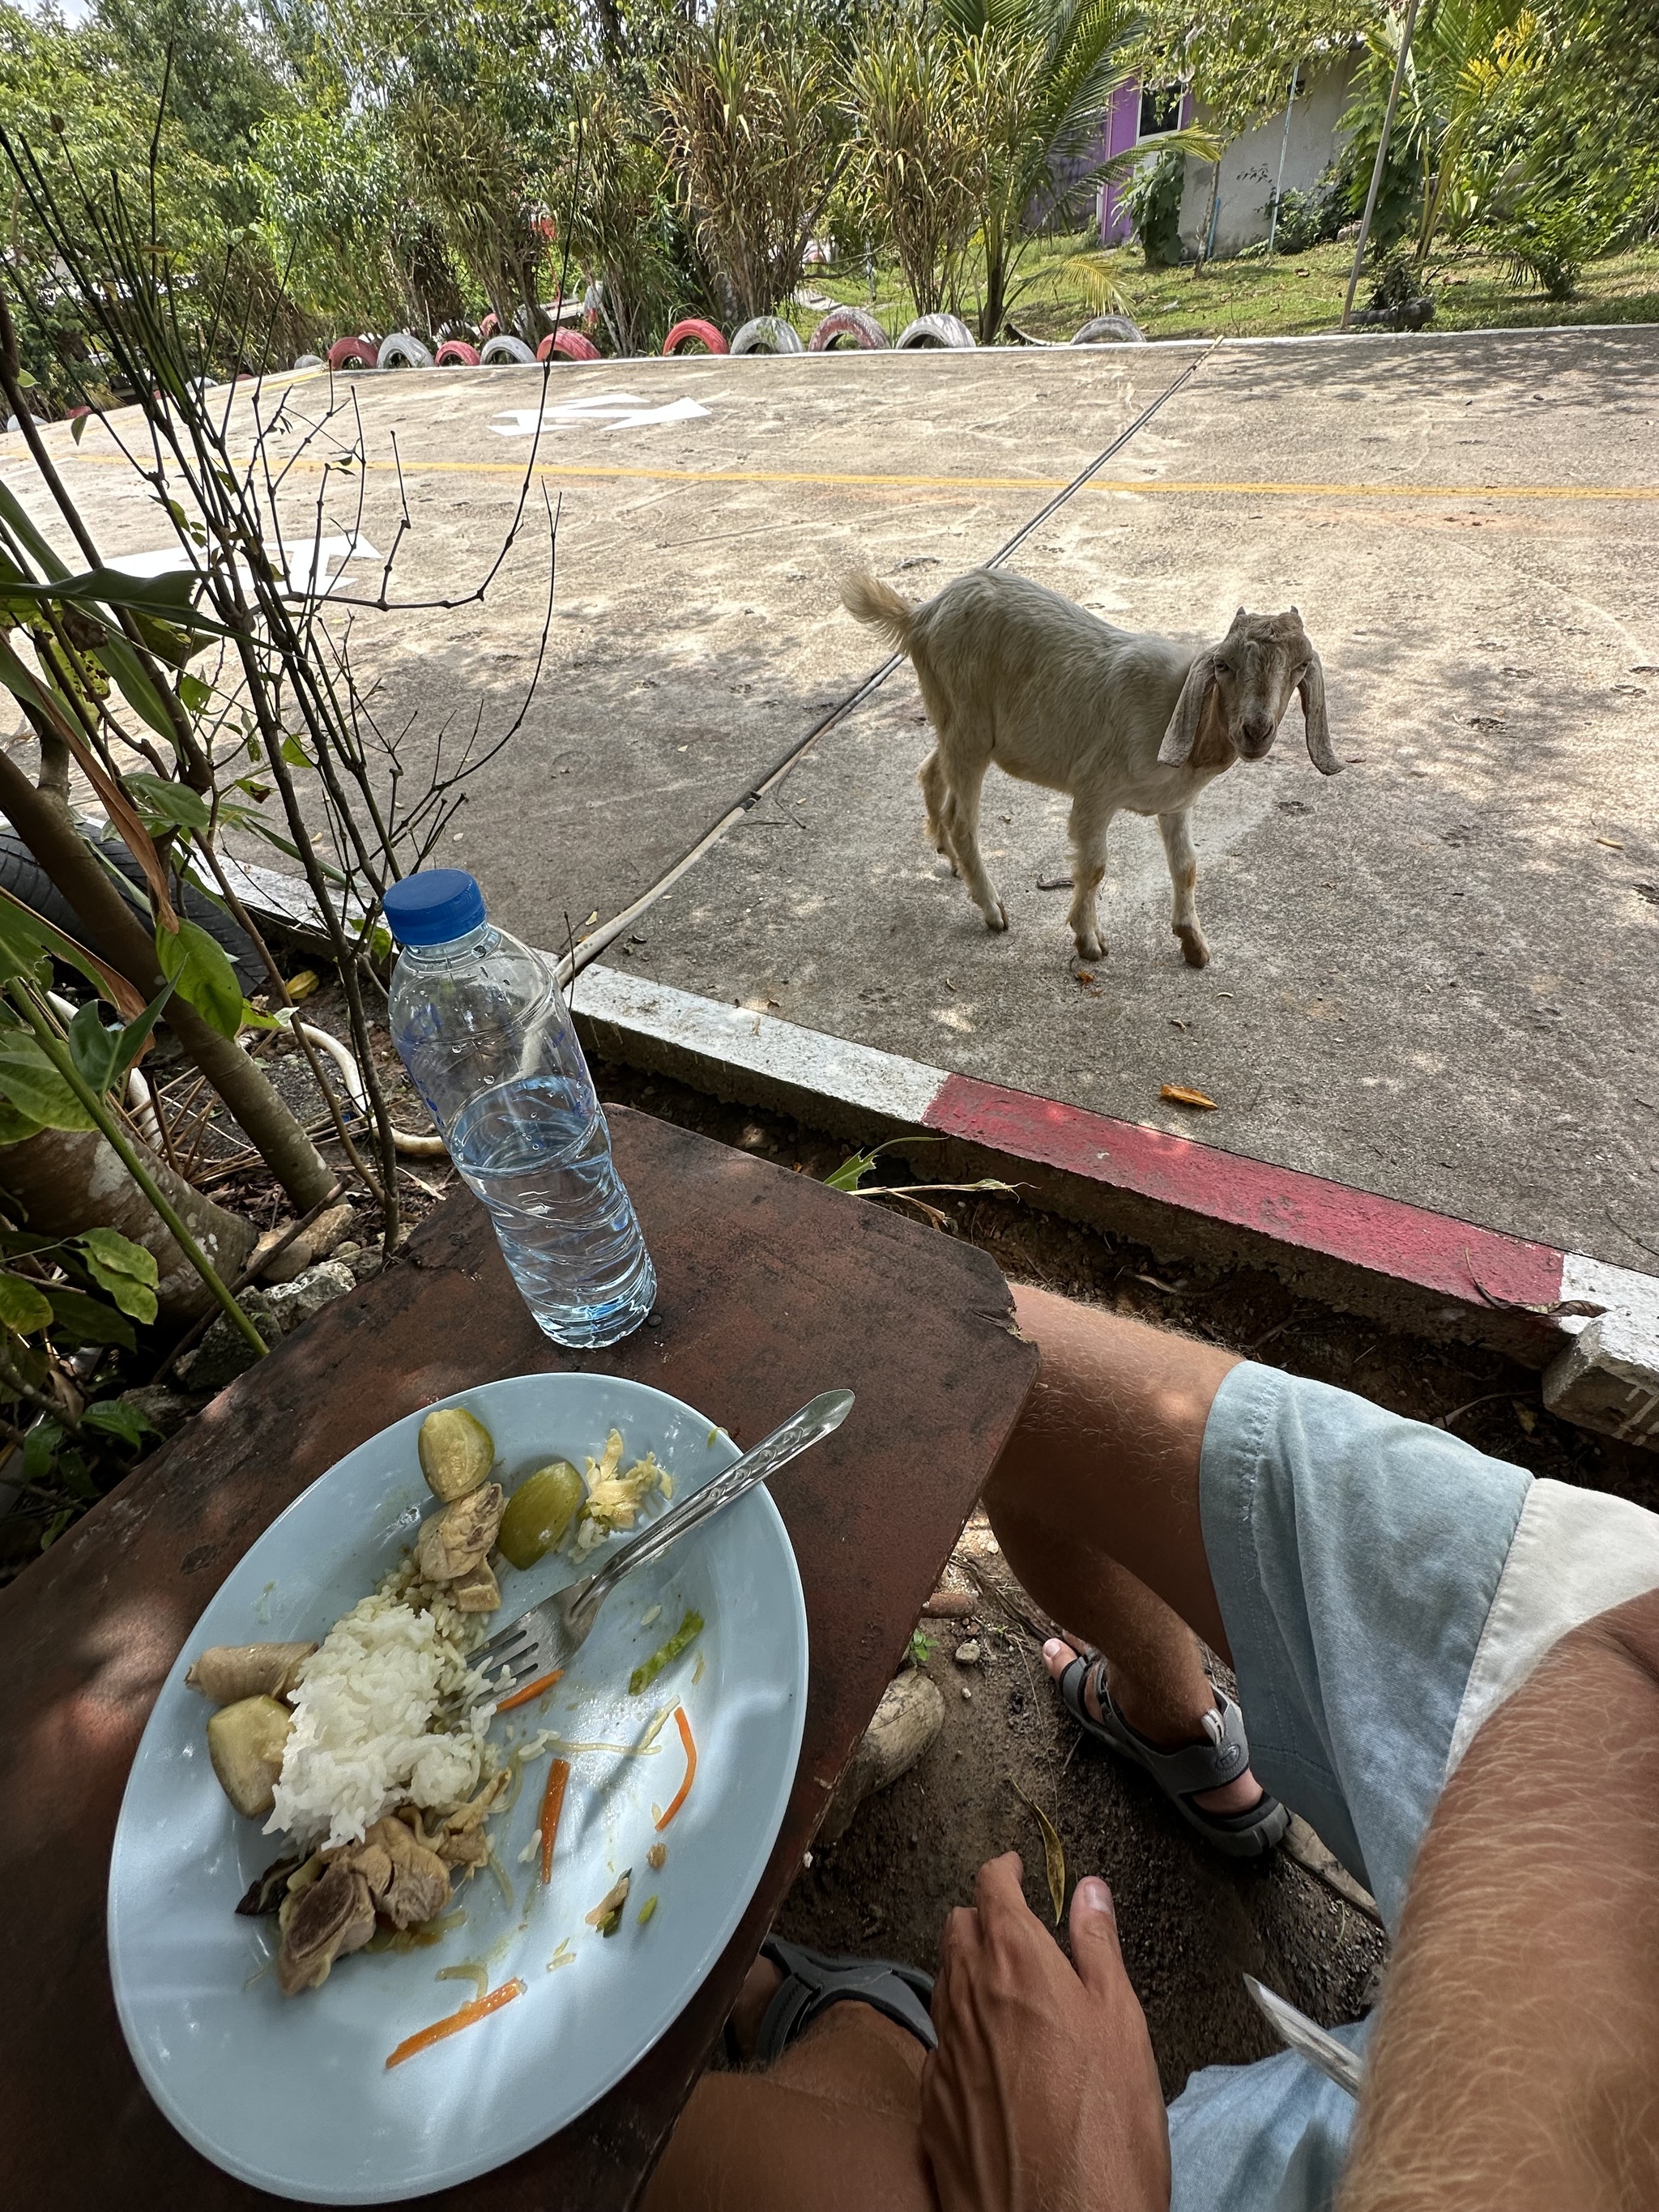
1312, 688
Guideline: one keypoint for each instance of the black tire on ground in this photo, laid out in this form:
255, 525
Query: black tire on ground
22, 874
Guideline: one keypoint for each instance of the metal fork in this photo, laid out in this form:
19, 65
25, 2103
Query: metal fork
551, 1634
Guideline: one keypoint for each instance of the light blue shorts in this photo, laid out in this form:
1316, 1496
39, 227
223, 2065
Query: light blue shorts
1355, 1556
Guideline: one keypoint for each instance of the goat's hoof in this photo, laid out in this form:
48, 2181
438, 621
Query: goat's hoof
997, 922
1089, 948
1194, 950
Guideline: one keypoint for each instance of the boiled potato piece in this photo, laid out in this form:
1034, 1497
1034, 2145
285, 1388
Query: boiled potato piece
245, 1742
538, 1513
457, 1452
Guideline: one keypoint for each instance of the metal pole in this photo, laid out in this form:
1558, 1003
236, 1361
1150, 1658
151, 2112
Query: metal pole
1381, 155
1283, 148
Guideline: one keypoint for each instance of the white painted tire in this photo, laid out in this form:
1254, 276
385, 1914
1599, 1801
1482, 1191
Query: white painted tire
1110, 330
768, 334
309, 360
502, 348
948, 331
403, 350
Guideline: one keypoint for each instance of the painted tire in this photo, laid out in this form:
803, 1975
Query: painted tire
694, 331
1110, 330
768, 334
403, 350
947, 330
487, 328
855, 323
308, 360
570, 345
456, 353
502, 348
353, 353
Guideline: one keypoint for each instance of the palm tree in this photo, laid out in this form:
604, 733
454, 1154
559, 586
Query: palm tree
1038, 77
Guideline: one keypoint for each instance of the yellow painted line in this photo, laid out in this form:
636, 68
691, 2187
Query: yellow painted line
600, 473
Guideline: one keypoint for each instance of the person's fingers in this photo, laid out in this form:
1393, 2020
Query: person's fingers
1001, 1888
1095, 1952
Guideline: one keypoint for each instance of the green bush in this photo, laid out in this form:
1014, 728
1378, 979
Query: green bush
1310, 218
1153, 205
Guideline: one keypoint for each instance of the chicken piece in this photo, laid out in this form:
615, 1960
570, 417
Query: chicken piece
333, 1919
478, 1590
416, 1887
460, 1536
230, 1672
461, 1841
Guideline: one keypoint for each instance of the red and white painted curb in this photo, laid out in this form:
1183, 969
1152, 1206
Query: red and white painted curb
1595, 1325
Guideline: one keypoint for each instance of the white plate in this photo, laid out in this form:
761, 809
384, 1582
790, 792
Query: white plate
292, 2094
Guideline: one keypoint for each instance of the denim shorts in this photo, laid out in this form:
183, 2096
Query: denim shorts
1355, 1555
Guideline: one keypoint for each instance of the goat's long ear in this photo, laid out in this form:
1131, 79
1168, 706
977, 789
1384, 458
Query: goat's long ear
1312, 688
1182, 733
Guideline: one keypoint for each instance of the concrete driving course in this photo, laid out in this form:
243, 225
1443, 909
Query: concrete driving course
1433, 977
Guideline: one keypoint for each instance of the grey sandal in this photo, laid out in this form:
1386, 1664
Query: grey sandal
812, 1982
1181, 1775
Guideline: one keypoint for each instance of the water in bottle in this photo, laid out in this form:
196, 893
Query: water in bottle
481, 1027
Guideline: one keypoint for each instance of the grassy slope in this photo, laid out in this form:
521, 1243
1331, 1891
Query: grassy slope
1288, 296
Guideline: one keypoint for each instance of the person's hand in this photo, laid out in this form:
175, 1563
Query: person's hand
1043, 2093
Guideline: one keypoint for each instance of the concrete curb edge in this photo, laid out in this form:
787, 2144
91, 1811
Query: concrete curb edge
1594, 1327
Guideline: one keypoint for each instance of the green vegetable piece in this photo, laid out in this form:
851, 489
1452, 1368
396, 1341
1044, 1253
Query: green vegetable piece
648, 1908
457, 1452
688, 1630
538, 1513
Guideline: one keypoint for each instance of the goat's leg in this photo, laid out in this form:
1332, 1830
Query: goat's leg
1183, 875
960, 817
1089, 822
934, 789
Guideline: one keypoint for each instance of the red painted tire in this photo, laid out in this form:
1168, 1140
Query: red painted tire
571, 345
456, 353
849, 323
487, 328
694, 328
359, 352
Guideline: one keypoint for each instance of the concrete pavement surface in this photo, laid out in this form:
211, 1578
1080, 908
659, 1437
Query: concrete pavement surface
1433, 976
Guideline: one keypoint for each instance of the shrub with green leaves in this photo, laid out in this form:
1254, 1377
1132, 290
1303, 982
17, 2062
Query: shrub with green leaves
1153, 203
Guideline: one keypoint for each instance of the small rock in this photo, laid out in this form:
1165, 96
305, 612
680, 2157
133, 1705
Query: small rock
166, 1410
950, 1605
967, 1696
968, 1654
293, 1303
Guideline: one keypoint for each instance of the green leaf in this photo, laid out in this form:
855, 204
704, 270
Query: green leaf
40, 1448
15, 1127
86, 1320
137, 1030
294, 753
29, 1082
93, 1047
123, 1268
195, 694
22, 1304
112, 1419
78, 422
851, 1173
199, 967
160, 799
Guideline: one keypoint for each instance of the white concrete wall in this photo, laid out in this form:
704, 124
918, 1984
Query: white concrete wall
1250, 165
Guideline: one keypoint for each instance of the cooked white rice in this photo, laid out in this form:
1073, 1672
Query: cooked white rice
360, 1744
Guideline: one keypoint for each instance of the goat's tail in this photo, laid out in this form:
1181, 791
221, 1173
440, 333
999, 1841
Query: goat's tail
867, 599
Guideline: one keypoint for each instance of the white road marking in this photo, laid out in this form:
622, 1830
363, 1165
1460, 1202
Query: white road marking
608, 410
313, 563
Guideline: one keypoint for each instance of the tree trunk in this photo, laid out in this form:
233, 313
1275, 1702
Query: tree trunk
115, 931
64, 1181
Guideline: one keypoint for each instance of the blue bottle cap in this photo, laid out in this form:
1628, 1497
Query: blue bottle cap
432, 906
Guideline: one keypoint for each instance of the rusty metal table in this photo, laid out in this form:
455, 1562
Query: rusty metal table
772, 1288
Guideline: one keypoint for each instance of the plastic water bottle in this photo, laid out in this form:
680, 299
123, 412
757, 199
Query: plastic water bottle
482, 1028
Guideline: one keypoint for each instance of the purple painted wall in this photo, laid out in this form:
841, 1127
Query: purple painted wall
1122, 131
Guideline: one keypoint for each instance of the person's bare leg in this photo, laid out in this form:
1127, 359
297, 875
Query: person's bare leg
1095, 1505
832, 2127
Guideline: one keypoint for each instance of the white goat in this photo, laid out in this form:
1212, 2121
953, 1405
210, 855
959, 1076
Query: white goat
1013, 673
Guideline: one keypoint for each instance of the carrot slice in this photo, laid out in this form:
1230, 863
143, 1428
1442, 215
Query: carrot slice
531, 1690
684, 1789
552, 1804
455, 2021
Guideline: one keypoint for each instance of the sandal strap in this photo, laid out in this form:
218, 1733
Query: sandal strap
812, 1982
1181, 1773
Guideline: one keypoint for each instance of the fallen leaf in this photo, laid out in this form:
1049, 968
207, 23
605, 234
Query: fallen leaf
1178, 1095
1612, 844
1054, 1853
1085, 975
